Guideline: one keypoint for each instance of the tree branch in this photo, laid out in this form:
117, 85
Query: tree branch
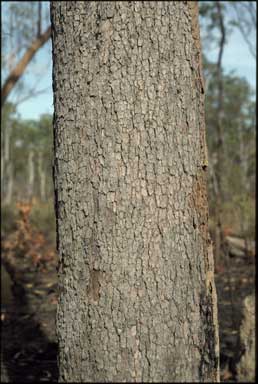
32, 94
219, 75
18, 71
242, 30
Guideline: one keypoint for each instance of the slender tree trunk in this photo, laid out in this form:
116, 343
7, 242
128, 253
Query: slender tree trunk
220, 143
9, 184
137, 297
3, 133
39, 19
42, 177
2, 170
7, 166
243, 155
31, 173
244, 182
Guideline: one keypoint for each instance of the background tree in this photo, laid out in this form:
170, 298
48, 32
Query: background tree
245, 21
25, 29
22, 37
137, 297
6, 165
29, 154
228, 100
239, 160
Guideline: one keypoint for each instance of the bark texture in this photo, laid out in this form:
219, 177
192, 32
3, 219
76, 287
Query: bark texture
137, 296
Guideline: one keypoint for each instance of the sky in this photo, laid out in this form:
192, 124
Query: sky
236, 57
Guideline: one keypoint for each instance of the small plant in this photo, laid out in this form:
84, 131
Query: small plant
27, 243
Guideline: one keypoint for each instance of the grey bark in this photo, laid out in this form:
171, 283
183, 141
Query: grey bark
2, 170
7, 168
31, 173
137, 299
42, 177
220, 147
9, 184
246, 343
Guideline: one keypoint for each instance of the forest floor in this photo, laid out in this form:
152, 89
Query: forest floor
233, 283
29, 348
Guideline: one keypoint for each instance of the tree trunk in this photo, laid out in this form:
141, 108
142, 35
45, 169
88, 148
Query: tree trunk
42, 177
2, 170
3, 150
7, 177
220, 147
137, 297
246, 367
31, 173
9, 185
18, 71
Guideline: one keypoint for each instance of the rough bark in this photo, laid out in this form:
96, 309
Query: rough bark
137, 298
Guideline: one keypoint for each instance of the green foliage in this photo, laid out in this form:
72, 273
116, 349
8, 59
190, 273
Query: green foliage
231, 163
27, 135
238, 123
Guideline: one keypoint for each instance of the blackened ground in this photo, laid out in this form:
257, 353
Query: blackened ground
29, 349
234, 282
